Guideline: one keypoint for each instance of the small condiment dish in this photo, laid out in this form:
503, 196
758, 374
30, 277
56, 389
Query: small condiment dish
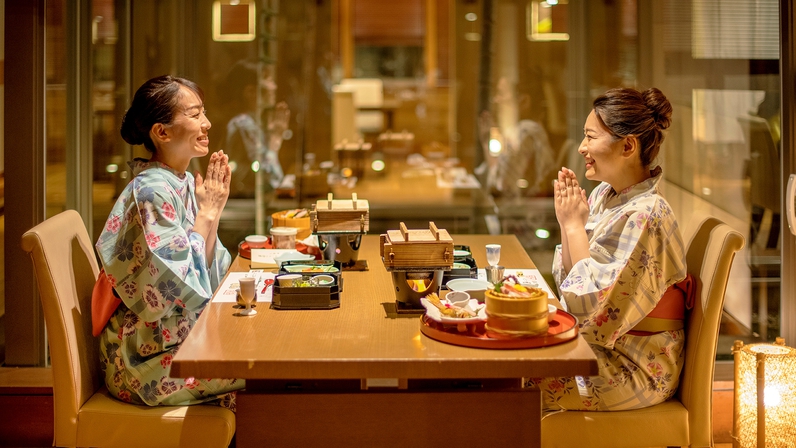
551, 312
322, 280
458, 298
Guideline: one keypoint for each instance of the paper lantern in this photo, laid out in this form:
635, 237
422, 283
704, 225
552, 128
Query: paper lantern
765, 395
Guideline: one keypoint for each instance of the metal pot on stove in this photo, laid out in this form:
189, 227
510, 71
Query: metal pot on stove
340, 247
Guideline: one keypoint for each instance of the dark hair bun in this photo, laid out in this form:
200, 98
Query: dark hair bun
660, 106
130, 132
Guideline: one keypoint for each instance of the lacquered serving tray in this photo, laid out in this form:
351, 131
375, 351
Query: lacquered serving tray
563, 328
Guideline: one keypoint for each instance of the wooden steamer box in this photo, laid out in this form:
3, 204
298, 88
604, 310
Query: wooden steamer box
340, 215
417, 249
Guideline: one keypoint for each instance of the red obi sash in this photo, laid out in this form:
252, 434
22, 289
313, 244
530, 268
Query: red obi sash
669, 313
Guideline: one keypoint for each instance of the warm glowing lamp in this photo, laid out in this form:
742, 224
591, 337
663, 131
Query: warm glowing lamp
764, 408
495, 141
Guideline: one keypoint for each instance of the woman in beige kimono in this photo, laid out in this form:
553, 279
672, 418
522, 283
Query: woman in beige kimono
621, 253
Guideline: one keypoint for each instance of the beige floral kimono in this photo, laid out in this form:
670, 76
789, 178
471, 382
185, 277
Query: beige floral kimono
637, 252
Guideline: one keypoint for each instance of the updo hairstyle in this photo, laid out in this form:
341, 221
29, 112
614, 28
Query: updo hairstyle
154, 102
644, 115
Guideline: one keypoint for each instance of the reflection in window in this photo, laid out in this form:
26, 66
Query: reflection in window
389, 62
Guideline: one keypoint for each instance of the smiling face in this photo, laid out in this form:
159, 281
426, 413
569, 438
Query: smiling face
186, 136
190, 125
603, 152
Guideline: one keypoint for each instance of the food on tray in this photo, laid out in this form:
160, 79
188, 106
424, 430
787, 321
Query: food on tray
511, 287
447, 309
295, 213
309, 268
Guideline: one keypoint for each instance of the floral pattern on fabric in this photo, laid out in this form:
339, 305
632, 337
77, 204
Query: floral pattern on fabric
157, 266
637, 253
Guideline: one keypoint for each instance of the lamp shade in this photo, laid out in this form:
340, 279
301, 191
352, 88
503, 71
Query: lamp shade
765, 395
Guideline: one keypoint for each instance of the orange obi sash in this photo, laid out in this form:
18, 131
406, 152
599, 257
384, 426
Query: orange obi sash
669, 313
104, 302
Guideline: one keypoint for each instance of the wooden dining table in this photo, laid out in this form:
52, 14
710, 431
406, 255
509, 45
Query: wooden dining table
364, 374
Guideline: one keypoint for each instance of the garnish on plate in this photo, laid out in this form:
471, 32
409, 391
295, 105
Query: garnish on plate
447, 309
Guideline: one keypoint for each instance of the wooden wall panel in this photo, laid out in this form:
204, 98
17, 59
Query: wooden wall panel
377, 22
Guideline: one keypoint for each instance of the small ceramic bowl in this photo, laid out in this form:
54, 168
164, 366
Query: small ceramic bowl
551, 312
322, 280
472, 286
288, 280
459, 254
292, 256
458, 298
256, 241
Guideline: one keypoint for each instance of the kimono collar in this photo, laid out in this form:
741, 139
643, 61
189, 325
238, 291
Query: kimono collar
656, 174
139, 165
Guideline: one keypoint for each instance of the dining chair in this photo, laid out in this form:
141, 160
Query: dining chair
85, 413
686, 419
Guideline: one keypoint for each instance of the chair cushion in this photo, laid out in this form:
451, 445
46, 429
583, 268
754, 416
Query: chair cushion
105, 421
615, 429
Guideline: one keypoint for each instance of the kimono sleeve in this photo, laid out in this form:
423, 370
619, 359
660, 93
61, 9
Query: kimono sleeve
157, 266
631, 265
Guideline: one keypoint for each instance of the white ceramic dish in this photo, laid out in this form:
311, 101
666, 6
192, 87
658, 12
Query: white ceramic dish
461, 266
293, 256
471, 305
460, 254
472, 286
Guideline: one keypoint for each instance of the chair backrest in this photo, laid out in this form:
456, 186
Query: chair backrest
66, 270
709, 258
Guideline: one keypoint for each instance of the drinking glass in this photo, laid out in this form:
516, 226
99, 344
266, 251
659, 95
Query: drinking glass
248, 295
493, 254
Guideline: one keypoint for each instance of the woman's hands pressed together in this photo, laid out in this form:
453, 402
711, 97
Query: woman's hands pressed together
572, 213
212, 193
572, 208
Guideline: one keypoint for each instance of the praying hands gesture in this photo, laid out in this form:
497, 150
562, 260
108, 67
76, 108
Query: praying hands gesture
572, 209
572, 212
212, 193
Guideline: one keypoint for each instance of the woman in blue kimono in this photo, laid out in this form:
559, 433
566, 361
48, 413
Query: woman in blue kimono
160, 249
620, 257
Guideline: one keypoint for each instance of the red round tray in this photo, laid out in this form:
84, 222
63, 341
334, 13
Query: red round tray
244, 250
564, 327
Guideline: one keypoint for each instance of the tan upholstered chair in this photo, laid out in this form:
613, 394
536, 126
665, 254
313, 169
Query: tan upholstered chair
686, 419
85, 414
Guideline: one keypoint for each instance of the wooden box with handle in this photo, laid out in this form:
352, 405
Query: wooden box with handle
417, 249
340, 215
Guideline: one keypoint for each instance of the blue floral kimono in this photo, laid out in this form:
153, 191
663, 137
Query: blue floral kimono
637, 252
158, 268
